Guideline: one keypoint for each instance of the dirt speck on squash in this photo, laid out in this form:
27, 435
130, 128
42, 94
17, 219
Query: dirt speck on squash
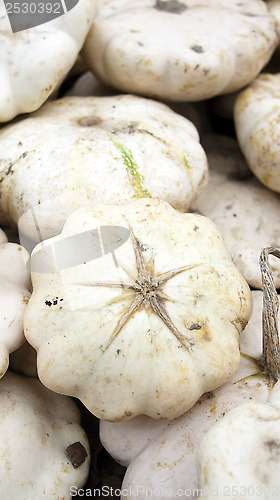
170, 6
77, 454
89, 121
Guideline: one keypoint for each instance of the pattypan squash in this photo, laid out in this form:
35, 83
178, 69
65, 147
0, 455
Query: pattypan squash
44, 450
256, 117
145, 329
180, 50
112, 149
36, 60
239, 455
160, 456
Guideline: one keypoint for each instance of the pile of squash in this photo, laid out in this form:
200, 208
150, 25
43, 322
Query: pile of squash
140, 221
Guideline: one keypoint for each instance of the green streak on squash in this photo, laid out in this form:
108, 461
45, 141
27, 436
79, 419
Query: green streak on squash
136, 179
186, 163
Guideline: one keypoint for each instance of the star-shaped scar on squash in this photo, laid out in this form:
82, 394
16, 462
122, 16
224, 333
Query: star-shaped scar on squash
148, 292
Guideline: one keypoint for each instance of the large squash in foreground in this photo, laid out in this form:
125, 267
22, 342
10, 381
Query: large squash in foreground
146, 330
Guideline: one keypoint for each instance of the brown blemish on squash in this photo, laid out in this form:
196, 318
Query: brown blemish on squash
48, 89
238, 323
209, 395
10, 169
195, 327
89, 121
170, 6
25, 299
213, 408
197, 48
77, 454
272, 445
206, 336
203, 334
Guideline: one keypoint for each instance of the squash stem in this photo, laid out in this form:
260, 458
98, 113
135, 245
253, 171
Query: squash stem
271, 351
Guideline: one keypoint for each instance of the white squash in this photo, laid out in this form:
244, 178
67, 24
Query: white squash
112, 149
246, 213
44, 451
147, 331
160, 455
256, 117
35, 61
239, 456
14, 295
180, 50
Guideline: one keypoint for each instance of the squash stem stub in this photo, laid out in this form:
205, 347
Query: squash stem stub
271, 351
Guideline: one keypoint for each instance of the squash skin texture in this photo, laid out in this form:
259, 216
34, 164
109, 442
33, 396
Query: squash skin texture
217, 47
248, 460
34, 62
113, 149
256, 117
146, 366
37, 426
